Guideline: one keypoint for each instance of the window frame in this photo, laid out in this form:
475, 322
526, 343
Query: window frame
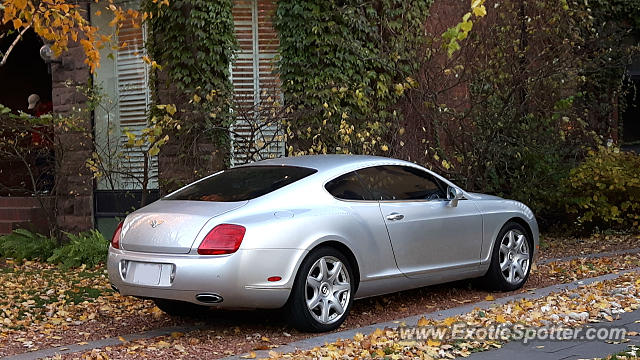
439, 182
312, 171
355, 172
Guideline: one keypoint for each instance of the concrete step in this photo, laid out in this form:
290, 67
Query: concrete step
25, 201
20, 214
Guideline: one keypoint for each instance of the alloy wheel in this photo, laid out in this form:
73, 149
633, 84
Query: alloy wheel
328, 290
514, 257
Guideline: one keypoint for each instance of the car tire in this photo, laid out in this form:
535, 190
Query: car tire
511, 259
320, 300
179, 308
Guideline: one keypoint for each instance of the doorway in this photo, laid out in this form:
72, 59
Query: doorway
23, 74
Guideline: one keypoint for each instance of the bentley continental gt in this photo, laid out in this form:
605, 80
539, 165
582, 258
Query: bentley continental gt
312, 233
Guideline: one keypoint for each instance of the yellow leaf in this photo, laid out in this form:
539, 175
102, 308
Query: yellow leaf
17, 23
423, 321
489, 298
480, 11
251, 355
20, 4
466, 26
433, 342
449, 321
500, 318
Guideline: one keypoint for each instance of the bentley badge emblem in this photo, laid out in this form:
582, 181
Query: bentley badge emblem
155, 223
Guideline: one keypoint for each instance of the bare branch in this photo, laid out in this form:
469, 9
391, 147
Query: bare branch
13, 44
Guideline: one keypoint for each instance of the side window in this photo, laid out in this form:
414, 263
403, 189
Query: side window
401, 183
347, 187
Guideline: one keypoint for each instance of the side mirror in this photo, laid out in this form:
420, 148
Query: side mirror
453, 195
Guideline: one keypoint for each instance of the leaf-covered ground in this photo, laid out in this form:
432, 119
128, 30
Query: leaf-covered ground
42, 306
552, 246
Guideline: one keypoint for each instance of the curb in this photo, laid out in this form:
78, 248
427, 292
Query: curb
590, 256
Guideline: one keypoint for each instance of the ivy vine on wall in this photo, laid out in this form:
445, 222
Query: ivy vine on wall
193, 43
343, 66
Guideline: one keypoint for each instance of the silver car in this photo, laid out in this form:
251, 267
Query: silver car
313, 233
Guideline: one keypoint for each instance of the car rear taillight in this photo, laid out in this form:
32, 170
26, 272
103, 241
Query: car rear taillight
222, 239
115, 240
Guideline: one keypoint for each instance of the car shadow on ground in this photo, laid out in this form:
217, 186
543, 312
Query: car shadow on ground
363, 312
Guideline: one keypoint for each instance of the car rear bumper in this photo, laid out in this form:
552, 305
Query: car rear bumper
240, 279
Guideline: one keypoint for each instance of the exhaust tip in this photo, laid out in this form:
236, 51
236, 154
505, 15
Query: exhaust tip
209, 298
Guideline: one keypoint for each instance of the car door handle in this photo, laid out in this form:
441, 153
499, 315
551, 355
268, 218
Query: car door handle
395, 216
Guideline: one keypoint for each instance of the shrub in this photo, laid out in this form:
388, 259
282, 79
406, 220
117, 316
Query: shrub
89, 248
24, 245
604, 191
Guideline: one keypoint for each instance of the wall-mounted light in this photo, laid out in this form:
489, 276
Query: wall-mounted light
48, 55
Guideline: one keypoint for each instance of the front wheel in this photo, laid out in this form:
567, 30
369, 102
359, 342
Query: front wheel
510, 260
322, 293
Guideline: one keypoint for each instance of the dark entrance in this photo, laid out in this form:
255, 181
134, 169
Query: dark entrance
23, 74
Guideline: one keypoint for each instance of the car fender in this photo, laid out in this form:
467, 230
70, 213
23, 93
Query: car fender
495, 214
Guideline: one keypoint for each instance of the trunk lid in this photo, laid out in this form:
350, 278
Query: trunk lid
170, 226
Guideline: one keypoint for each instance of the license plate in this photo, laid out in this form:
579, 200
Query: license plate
144, 273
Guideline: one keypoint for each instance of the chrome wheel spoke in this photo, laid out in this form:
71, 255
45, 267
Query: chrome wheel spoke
511, 271
323, 269
335, 272
518, 270
505, 265
324, 316
313, 283
313, 303
511, 238
519, 242
336, 305
340, 288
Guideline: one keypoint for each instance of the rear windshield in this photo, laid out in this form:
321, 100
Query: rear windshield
242, 183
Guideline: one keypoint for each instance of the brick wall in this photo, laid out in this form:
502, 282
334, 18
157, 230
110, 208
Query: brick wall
74, 183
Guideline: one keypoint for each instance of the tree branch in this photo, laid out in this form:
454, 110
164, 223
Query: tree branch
13, 44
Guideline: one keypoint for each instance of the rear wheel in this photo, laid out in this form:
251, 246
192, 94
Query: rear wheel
179, 308
323, 291
510, 260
